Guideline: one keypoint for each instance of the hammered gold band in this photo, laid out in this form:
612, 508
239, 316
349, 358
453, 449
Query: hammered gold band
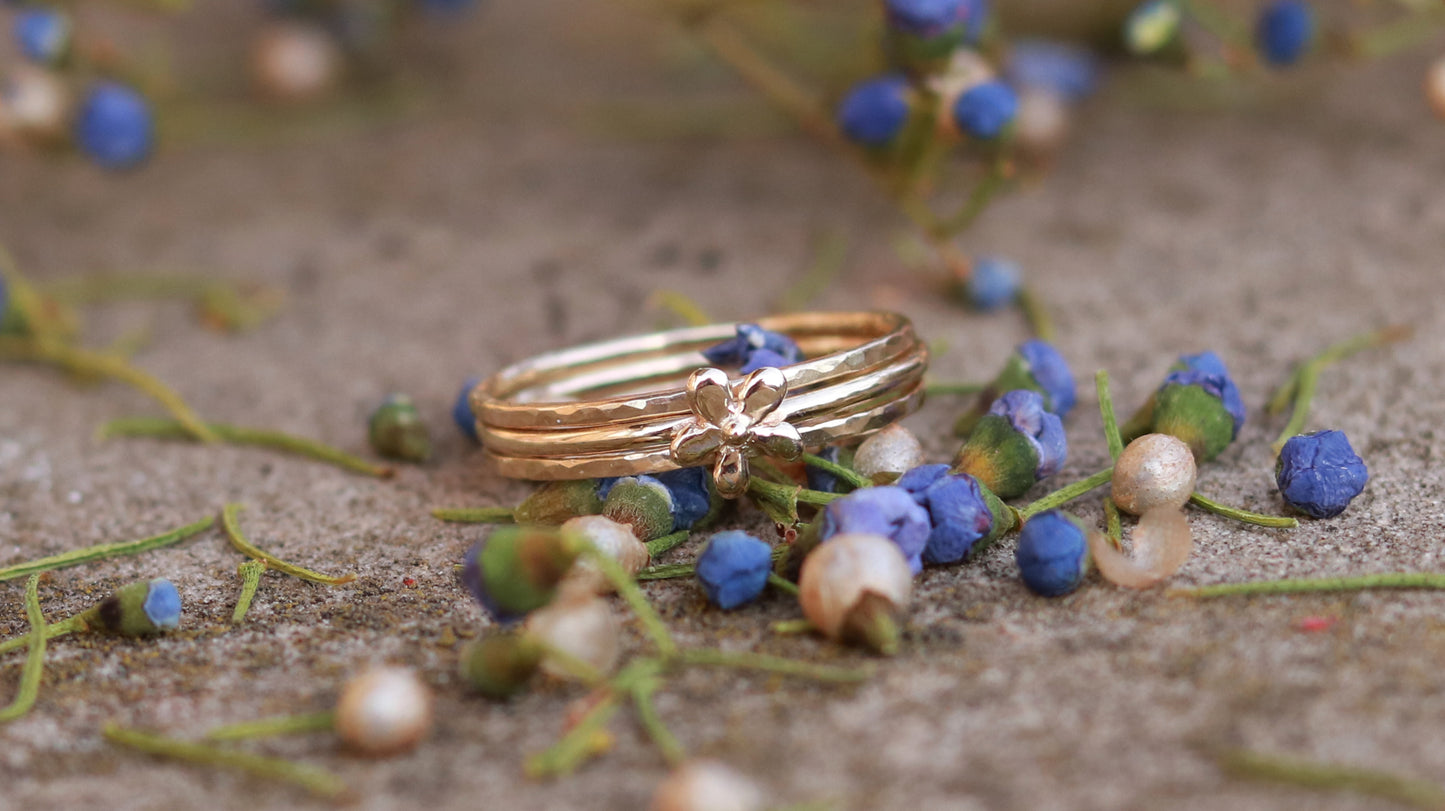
619, 407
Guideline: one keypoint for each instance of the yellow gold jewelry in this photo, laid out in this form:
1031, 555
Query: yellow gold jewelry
618, 407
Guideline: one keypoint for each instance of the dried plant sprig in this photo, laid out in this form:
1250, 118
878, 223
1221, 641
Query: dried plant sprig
29, 689
159, 428
318, 781
231, 523
106, 550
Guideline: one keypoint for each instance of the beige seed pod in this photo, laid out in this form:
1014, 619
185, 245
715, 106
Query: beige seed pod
295, 61
1161, 543
888, 454
1155, 471
35, 106
611, 538
849, 574
707, 785
966, 69
1042, 124
580, 625
384, 711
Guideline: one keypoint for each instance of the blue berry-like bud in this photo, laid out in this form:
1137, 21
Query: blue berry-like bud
515, 570
926, 18
115, 126
1069, 71
1200, 404
162, 604
734, 568
1284, 32
462, 413
1051, 373
888, 511
763, 358
1151, 26
875, 111
985, 110
43, 35
1016, 444
1053, 553
1319, 473
993, 283
965, 516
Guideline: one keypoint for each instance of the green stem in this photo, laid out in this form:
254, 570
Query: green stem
691, 313
1219, 24
476, 515
245, 547
774, 664
29, 688
105, 550
1066, 494
1396, 35
1387, 580
978, 200
317, 781
69, 625
238, 435
280, 725
250, 572
636, 600
661, 546
99, 364
1244, 516
790, 627
946, 389
667, 743
576, 667
852, 477
1036, 314
1331, 777
782, 584
667, 571
1106, 410
1113, 530
1300, 388
577, 745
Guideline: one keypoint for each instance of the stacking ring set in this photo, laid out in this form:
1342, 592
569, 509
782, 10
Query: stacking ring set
652, 403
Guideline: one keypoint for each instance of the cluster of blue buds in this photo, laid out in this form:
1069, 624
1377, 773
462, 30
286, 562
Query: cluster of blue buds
754, 348
1017, 443
964, 515
1319, 474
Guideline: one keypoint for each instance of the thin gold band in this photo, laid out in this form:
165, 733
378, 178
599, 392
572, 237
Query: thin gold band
865, 371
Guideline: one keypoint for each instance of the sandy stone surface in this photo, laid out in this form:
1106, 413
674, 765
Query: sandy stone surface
503, 219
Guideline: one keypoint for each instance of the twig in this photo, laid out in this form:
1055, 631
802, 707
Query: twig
106, 550
29, 689
233, 531
238, 435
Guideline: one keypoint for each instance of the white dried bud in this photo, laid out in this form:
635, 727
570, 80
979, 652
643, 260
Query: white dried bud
295, 61
34, 106
613, 539
843, 570
707, 785
384, 711
1156, 470
581, 626
888, 454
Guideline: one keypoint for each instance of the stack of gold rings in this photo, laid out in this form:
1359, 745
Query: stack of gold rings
620, 408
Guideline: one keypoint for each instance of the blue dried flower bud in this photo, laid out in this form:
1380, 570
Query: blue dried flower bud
515, 570
555, 503
1035, 365
966, 516
985, 110
1016, 444
1319, 473
1200, 404
1053, 553
875, 112
462, 413
1284, 32
926, 17
763, 358
734, 568
750, 338
693, 497
1068, 71
139, 609
992, 284
396, 431
1152, 26
115, 126
923, 34
888, 511
643, 503
43, 35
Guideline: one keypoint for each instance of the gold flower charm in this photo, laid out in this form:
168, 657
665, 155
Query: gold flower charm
732, 424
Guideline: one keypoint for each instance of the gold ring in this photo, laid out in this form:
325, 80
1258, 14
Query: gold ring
620, 407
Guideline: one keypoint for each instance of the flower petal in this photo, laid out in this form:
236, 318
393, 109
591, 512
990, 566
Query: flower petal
781, 441
762, 392
694, 442
709, 394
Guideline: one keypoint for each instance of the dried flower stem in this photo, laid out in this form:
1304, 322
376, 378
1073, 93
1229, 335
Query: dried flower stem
774, 664
69, 625
662, 737
691, 313
100, 364
790, 627
1113, 529
1106, 410
1331, 777
665, 544
237, 435
578, 744
852, 477
476, 515
233, 531
1066, 494
636, 600
782, 584
29, 688
317, 781
250, 572
1386, 580
667, 571
1244, 516
105, 550
280, 725
1299, 390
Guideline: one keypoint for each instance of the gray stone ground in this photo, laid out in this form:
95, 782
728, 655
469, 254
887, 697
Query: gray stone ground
502, 222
